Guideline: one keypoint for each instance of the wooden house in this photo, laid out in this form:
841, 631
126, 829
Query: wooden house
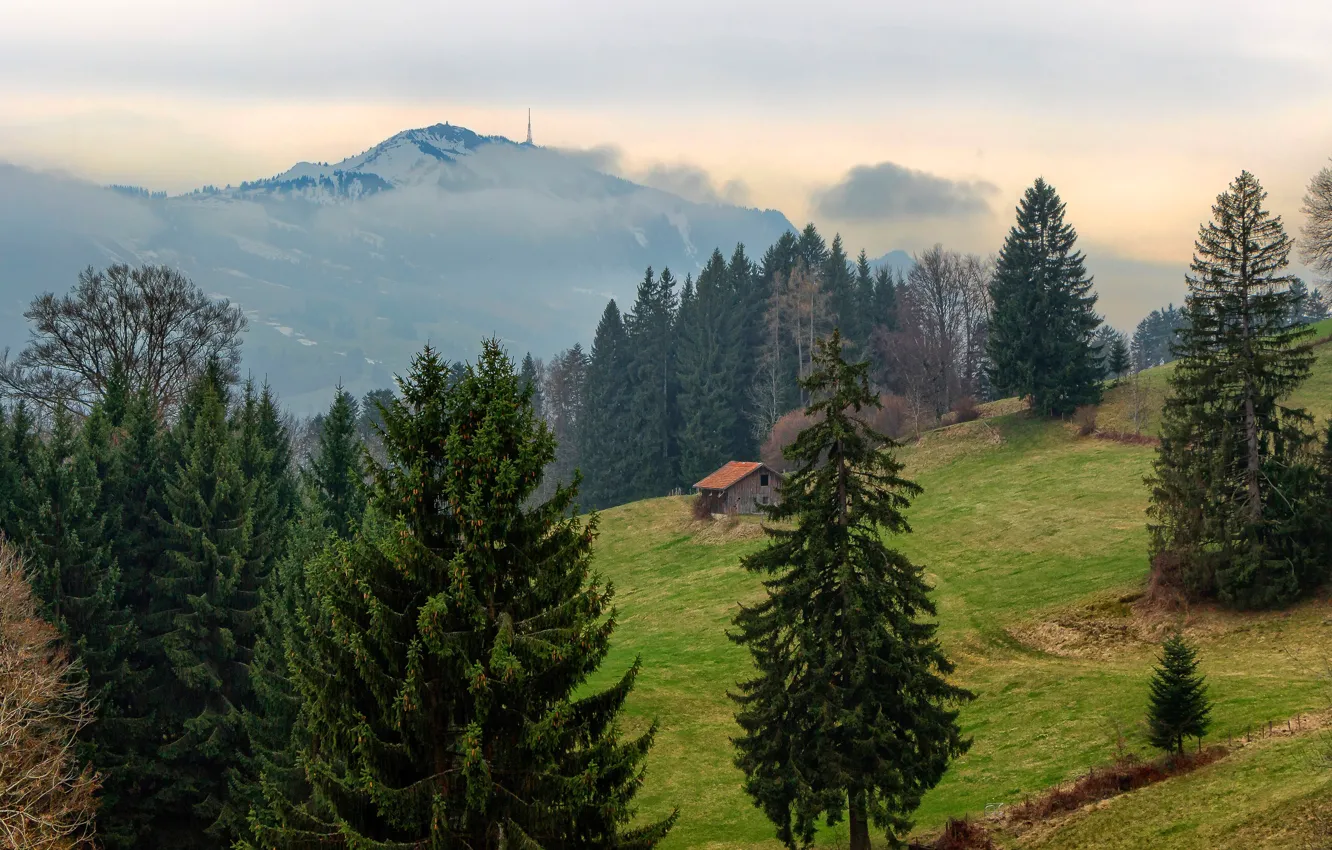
740, 487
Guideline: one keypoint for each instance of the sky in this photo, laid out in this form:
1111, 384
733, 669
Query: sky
897, 124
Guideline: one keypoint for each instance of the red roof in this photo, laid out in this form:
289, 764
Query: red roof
728, 475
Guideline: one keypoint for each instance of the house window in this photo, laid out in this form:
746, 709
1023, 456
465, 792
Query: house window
763, 479
763, 500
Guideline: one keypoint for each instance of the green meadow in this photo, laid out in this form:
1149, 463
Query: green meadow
1034, 539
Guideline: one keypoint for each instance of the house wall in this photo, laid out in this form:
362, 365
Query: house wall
747, 495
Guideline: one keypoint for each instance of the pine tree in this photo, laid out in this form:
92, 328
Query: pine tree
337, 471
850, 712
1178, 707
449, 639
707, 354
531, 376
1040, 334
751, 296
77, 583
1216, 507
1117, 361
203, 623
603, 433
653, 464
860, 324
132, 492
840, 285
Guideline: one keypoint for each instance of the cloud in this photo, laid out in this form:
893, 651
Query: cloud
603, 158
693, 184
888, 191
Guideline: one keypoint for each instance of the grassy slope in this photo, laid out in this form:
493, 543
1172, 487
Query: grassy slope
1031, 536
1117, 411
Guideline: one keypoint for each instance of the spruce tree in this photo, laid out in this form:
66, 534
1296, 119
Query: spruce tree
1117, 360
132, 492
531, 376
337, 471
706, 356
1178, 706
651, 423
603, 433
859, 324
203, 623
1040, 333
751, 293
1219, 508
850, 713
64, 539
450, 642
78, 585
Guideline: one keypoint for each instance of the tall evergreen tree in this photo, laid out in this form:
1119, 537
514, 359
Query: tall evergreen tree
132, 773
840, 285
1040, 333
708, 354
450, 638
653, 463
64, 540
1178, 706
203, 623
849, 713
1117, 361
1218, 506
531, 376
76, 580
751, 295
859, 323
337, 471
603, 433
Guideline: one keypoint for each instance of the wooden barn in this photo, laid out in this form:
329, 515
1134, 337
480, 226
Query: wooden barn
740, 487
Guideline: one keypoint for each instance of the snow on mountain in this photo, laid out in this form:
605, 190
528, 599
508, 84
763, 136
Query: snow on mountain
410, 158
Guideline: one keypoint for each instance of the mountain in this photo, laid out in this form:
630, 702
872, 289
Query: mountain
899, 261
436, 234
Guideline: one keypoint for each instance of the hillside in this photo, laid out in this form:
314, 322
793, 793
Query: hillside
1035, 541
1147, 394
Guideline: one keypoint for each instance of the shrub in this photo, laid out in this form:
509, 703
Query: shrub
965, 409
46, 800
1085, 418
783, 434
893, 418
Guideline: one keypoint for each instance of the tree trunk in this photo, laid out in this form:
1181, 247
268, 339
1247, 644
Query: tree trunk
1251, 474
860, 837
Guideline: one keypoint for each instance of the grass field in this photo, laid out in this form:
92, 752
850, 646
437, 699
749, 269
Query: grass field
1034, 539
1146, 396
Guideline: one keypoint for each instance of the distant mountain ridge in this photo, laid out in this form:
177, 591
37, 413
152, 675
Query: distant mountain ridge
435, 234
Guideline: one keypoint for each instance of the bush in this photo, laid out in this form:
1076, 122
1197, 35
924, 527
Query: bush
783, 434
893, 418
965, 409
46, 800
1085, 418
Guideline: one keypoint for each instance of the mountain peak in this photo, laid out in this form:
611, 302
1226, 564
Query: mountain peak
410, 157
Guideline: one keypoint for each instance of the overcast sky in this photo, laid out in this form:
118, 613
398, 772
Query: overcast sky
899, 124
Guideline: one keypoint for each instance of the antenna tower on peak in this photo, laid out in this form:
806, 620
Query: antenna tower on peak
529, 125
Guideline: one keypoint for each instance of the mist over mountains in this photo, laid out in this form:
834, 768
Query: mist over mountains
346, 269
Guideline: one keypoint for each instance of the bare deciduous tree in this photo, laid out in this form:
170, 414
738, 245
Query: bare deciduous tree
46, 801
765, 395
936, 355
1316, 244
152, 322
